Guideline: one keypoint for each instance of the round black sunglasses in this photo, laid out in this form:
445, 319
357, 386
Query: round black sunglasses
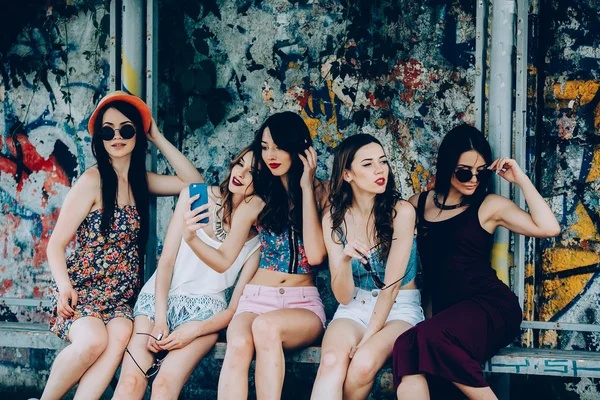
465, 175
108, 132
158, 358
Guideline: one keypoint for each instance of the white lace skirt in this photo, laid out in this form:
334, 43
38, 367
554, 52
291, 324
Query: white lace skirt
180, 308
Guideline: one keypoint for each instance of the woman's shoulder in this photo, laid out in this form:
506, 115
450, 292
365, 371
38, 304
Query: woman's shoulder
90, 179
404, 209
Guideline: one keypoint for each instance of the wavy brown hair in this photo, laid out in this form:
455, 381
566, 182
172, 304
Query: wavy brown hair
340, 195
226, 195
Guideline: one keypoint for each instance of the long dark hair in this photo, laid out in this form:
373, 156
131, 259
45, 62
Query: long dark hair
226, 196
340, 194
290, 133
459, 140
138, 180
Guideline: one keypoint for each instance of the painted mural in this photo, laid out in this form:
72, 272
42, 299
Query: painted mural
53, 69
402, 73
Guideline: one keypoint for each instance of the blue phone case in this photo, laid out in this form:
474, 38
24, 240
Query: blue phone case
201, 189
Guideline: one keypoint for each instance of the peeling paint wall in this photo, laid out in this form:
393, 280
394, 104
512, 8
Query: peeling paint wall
567, 277
401, 72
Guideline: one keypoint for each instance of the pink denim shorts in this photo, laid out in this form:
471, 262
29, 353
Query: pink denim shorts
259, 299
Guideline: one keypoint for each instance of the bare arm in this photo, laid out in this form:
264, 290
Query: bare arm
396, 264
222, 258
539, 223
78, 203
165, 185
189, 331
340, 265
312, 234
166, 263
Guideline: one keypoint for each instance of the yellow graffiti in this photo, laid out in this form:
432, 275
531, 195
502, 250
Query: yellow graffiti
595, 168
584, 90
500, 261
315, 123
584, 228
131, 78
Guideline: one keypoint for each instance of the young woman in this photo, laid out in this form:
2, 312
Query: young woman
474, 313
369, 235
108, 209
184, 301
280, 308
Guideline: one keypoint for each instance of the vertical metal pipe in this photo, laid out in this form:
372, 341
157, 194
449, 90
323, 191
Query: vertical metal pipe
481, 27
500, 113
114, 48
520, 134
133, 47
151, 100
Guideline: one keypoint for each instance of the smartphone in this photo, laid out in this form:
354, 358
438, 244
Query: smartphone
202, 190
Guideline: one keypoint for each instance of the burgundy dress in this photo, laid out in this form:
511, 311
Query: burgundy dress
474, 313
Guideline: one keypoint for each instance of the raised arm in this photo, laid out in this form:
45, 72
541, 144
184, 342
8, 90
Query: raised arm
540, 222
187, 332
395, 267
167, 185
312, 233
222, 258
340, 263
80, 200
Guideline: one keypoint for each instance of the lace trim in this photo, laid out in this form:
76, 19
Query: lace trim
180, 309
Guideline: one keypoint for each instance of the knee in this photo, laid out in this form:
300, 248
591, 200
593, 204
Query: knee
119, 338
363, 368
412, 385
129, 385
239, 345
265, 333
93, 347
165, 387
332, 360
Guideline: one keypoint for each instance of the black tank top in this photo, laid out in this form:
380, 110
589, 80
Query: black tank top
455, 255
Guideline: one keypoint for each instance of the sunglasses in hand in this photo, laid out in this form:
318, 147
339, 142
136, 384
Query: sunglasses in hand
158, 358
464, 175
379, 284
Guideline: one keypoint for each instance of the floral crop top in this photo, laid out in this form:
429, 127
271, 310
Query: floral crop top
283, 252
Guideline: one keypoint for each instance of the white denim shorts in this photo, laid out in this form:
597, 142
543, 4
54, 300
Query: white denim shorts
406, 307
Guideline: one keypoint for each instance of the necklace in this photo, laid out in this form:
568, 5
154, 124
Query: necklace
218, 229
445, 207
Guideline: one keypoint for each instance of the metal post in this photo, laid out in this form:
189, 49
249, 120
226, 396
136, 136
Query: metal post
500, 113
151, 100
132, 68
481, 27
520, 134
114, 81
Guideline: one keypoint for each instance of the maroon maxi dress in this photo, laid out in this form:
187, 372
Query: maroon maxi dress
474, 313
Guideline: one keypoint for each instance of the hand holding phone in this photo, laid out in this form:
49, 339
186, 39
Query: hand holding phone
202, 190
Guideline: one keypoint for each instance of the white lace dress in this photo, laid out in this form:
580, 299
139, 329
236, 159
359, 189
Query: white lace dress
197, 292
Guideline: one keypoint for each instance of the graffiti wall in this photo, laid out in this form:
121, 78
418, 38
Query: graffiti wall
401, 72
568, 276
54, 67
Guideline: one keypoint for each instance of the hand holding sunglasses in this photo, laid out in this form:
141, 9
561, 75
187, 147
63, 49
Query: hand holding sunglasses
508, 169
158, 358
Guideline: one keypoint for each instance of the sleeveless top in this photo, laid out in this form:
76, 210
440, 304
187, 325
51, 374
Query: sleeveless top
283, 252
193, 278
455, 254
361, 276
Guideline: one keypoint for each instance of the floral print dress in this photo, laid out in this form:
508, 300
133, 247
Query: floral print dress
103, 269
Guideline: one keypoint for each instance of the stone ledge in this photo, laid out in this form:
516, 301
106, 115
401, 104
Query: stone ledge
508, 361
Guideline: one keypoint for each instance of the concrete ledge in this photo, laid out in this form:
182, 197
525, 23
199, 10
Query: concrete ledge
514, 360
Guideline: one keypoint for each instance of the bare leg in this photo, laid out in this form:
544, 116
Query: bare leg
96, 379
339, 338
369, 359
272, 332
179, 365
413, 387
89, 338
476, 393
132, 383
240, 350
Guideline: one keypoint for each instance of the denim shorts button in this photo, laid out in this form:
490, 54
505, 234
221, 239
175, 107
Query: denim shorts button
362, 302
375, 293
281, 291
